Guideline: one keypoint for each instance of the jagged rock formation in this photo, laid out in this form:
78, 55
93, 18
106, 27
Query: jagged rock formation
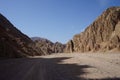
14, 43
102, 35
47, 46
58, 47
69, 47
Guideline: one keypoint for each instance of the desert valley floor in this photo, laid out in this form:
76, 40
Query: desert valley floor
62, 67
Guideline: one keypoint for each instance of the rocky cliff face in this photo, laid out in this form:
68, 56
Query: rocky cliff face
47, 46
14, 43
102, 35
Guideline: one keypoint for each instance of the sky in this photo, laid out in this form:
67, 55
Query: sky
56, 20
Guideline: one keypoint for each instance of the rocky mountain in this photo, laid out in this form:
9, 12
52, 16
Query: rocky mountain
13, 43
102, 35
47, 46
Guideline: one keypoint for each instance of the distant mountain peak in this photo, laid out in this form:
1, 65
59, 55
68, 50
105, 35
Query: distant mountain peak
48, 46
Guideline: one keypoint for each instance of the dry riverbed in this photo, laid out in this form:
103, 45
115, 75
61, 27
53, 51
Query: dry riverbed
62, 67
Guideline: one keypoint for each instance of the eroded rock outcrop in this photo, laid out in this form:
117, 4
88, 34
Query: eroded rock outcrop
69, 47
47, 46
13, 43
58, 47
102, 35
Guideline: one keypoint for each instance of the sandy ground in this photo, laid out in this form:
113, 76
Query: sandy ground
62, 67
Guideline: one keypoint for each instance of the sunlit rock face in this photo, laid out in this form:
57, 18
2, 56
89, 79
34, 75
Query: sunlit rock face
102, 35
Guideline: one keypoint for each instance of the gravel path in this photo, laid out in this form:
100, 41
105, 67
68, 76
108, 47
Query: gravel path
62, 67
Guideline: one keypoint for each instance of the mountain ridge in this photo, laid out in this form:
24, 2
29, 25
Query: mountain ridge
13, 43
47, 46
102, 35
